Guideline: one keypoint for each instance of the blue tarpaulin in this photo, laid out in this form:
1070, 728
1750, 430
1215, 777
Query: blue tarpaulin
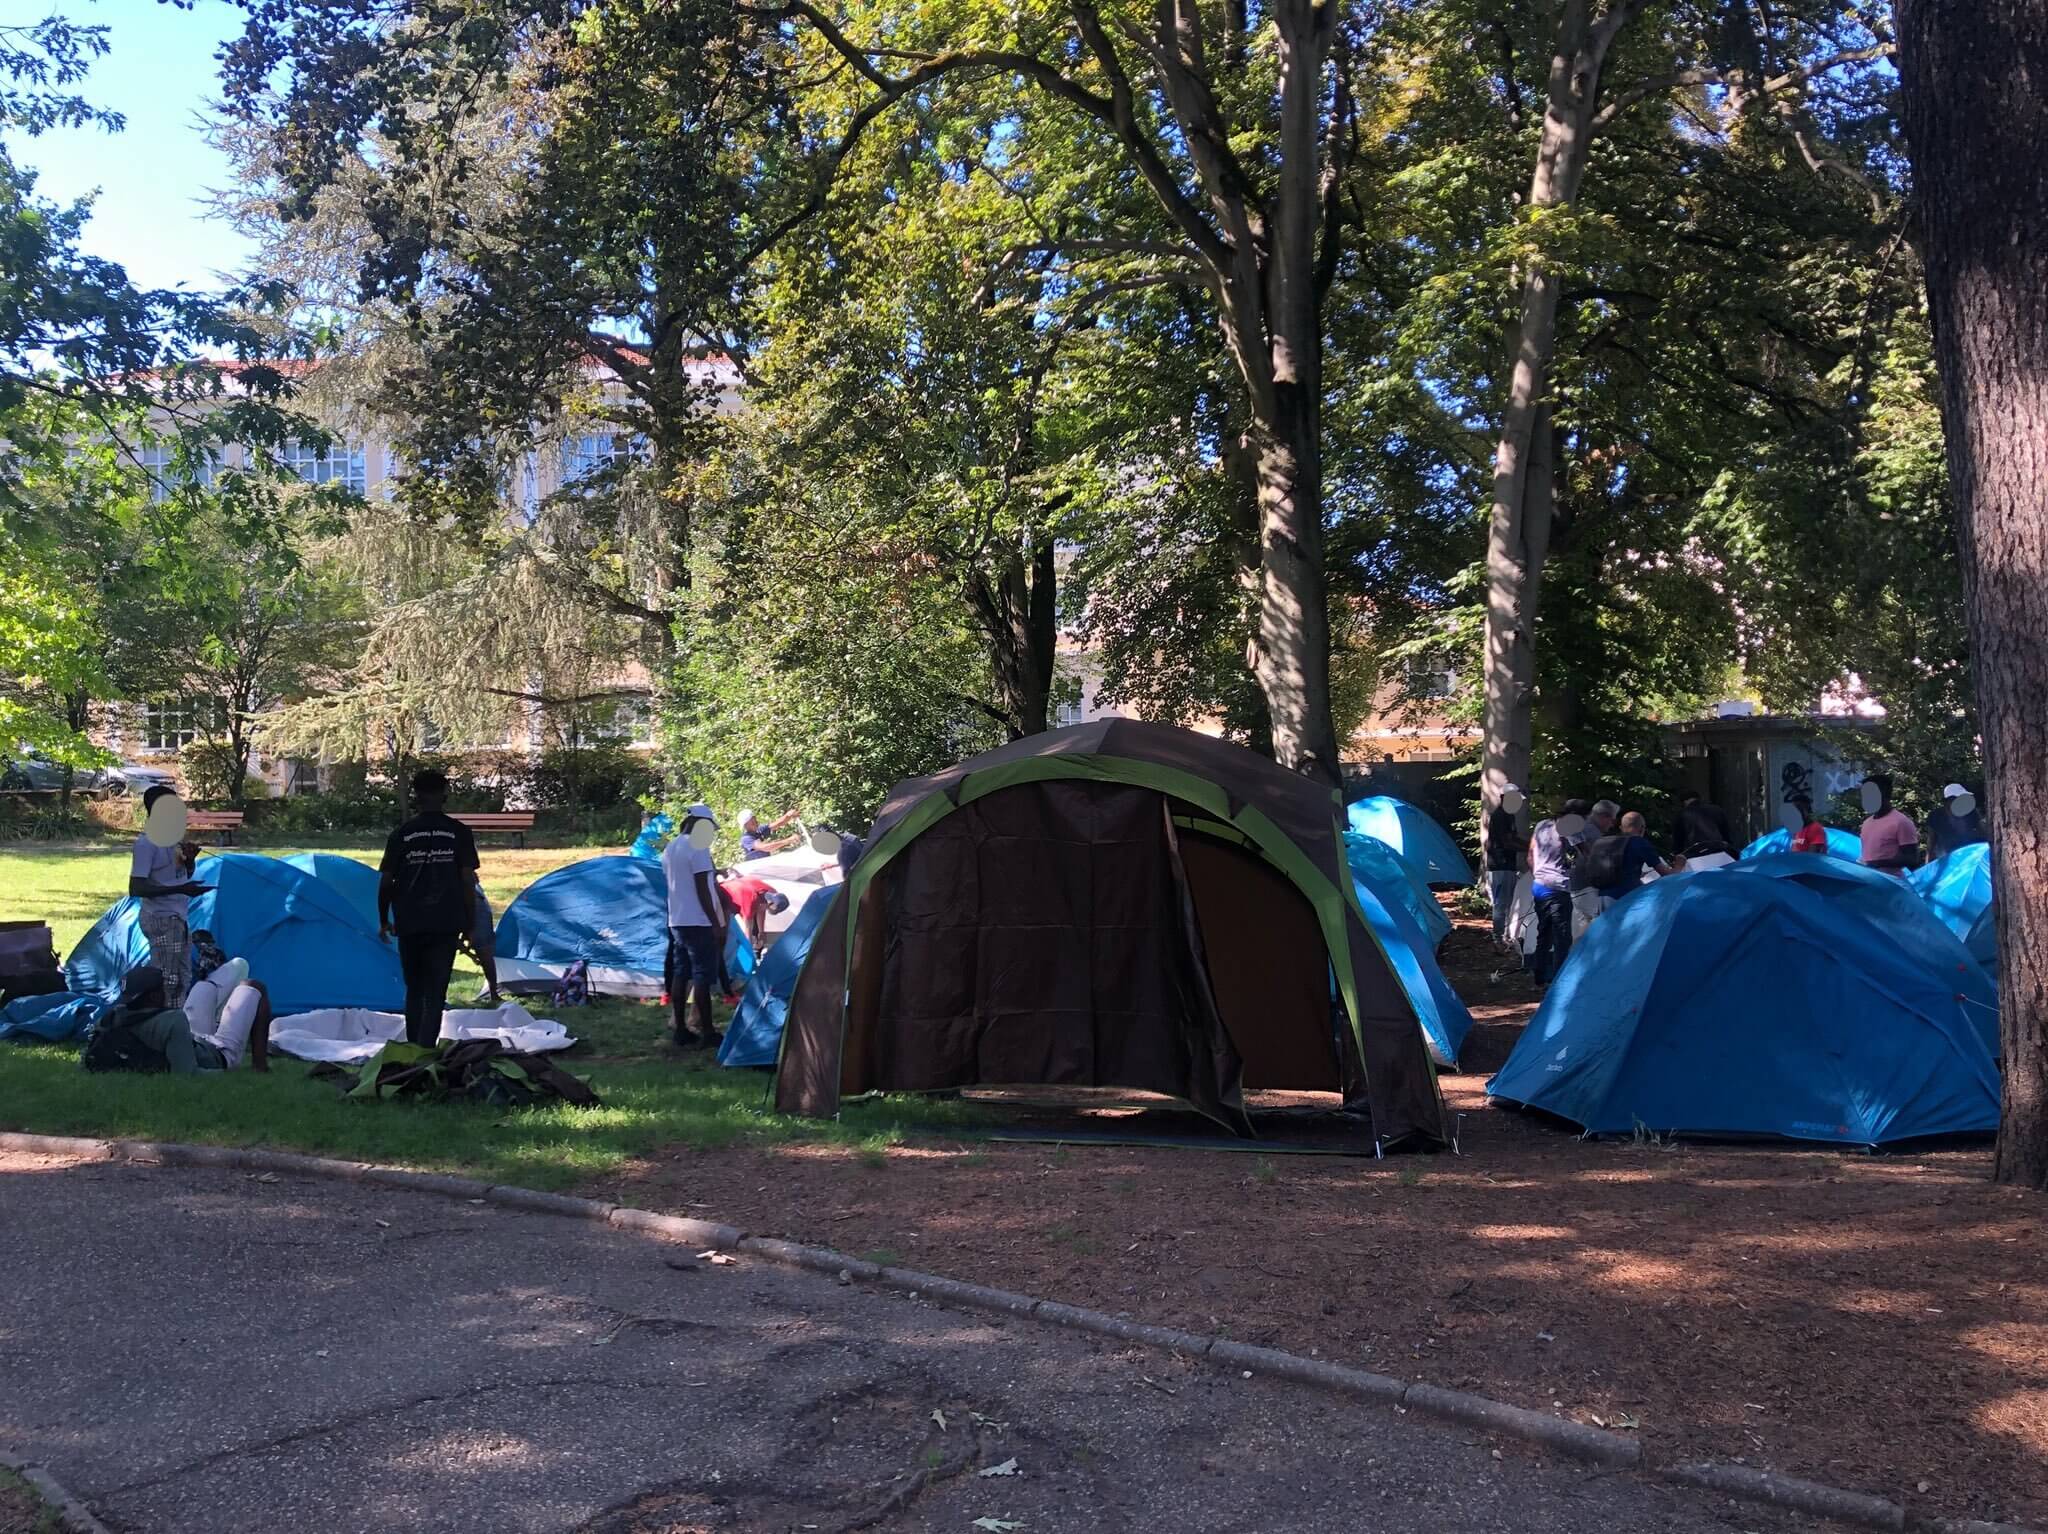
1425, 845
653, 838
304, 939
611, 912
52, 1018
1957, 889
1846, 845
755, 1037
1794, 996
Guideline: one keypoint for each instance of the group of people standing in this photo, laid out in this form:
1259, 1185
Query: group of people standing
1592, 854
700, 907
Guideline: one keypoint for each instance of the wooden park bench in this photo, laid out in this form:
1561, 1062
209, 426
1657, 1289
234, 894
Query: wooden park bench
223, 823
515, 823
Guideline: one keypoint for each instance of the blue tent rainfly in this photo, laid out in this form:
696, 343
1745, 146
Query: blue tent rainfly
1411, 954
309, 943
1957, 889
755, 1037
1795, 997
1425, 845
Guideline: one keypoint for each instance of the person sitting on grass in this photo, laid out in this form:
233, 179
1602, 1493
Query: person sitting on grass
213, 1031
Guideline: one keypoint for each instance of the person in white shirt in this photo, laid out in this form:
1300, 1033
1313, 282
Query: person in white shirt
696, 927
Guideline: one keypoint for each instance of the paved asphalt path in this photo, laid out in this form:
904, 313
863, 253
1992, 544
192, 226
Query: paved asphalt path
216, 1352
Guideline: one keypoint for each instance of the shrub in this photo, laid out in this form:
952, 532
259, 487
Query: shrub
208, 768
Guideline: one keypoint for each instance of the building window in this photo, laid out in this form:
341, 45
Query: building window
159, 460
585, 456
629, 722
171, 724
1067, 713
339, 463
1429, 676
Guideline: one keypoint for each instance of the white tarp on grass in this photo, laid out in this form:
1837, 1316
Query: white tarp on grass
348, 1035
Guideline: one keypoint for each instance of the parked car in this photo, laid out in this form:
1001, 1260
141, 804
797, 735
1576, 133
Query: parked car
30, 772
134, 778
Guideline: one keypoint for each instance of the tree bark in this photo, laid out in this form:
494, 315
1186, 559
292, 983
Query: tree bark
1973, 77
1524, 468
1291, 656
1018, 616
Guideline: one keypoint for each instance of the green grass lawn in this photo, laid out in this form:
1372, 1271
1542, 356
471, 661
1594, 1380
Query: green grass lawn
652, 1095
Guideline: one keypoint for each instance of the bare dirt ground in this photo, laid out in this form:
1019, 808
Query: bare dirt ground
1878, 1322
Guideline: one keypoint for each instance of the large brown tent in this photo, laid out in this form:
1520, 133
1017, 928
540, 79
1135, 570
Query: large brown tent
1119, 904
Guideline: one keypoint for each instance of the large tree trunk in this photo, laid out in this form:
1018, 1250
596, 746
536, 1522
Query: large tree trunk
1974, 81
1291, 657
1019, 621
1524, 471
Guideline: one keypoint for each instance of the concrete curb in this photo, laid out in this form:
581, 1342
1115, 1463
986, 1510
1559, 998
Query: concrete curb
1560, 1435
72, 1515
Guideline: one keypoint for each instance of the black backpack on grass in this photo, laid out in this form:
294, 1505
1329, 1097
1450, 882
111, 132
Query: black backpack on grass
114, 1045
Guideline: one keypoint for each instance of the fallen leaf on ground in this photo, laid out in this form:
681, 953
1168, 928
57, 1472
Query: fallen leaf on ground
267, 1177
716, 1259
940, 1418
1007, 1467
997, 1525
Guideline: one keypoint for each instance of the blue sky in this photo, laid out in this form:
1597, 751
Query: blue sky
152, 176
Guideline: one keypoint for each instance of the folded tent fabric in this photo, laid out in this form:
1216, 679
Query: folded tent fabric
345, 1035
1795, 997
1422, 842
307, 941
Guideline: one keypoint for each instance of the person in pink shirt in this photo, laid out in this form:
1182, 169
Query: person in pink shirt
1891, 842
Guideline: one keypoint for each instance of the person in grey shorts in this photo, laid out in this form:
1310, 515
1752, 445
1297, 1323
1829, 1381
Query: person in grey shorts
161, 878
482, 942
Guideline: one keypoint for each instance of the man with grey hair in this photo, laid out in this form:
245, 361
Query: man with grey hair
1586, 900
1619, 860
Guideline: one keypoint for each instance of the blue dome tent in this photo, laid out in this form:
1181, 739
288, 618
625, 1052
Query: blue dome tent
1846, 845
1394, 880
311, 945
1797, 997
1957, 889
1426, 846
611, 912
755, 1037
355, 882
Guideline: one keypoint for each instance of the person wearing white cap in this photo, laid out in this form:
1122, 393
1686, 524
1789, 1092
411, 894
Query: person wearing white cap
696, 929
1506, 844
757, 839
1957, 823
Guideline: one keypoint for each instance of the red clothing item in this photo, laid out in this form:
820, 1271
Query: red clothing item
745, 893
1811, 837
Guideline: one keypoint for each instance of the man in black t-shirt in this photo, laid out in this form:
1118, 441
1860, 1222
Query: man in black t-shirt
1703, 828
1506, 841
427, 896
